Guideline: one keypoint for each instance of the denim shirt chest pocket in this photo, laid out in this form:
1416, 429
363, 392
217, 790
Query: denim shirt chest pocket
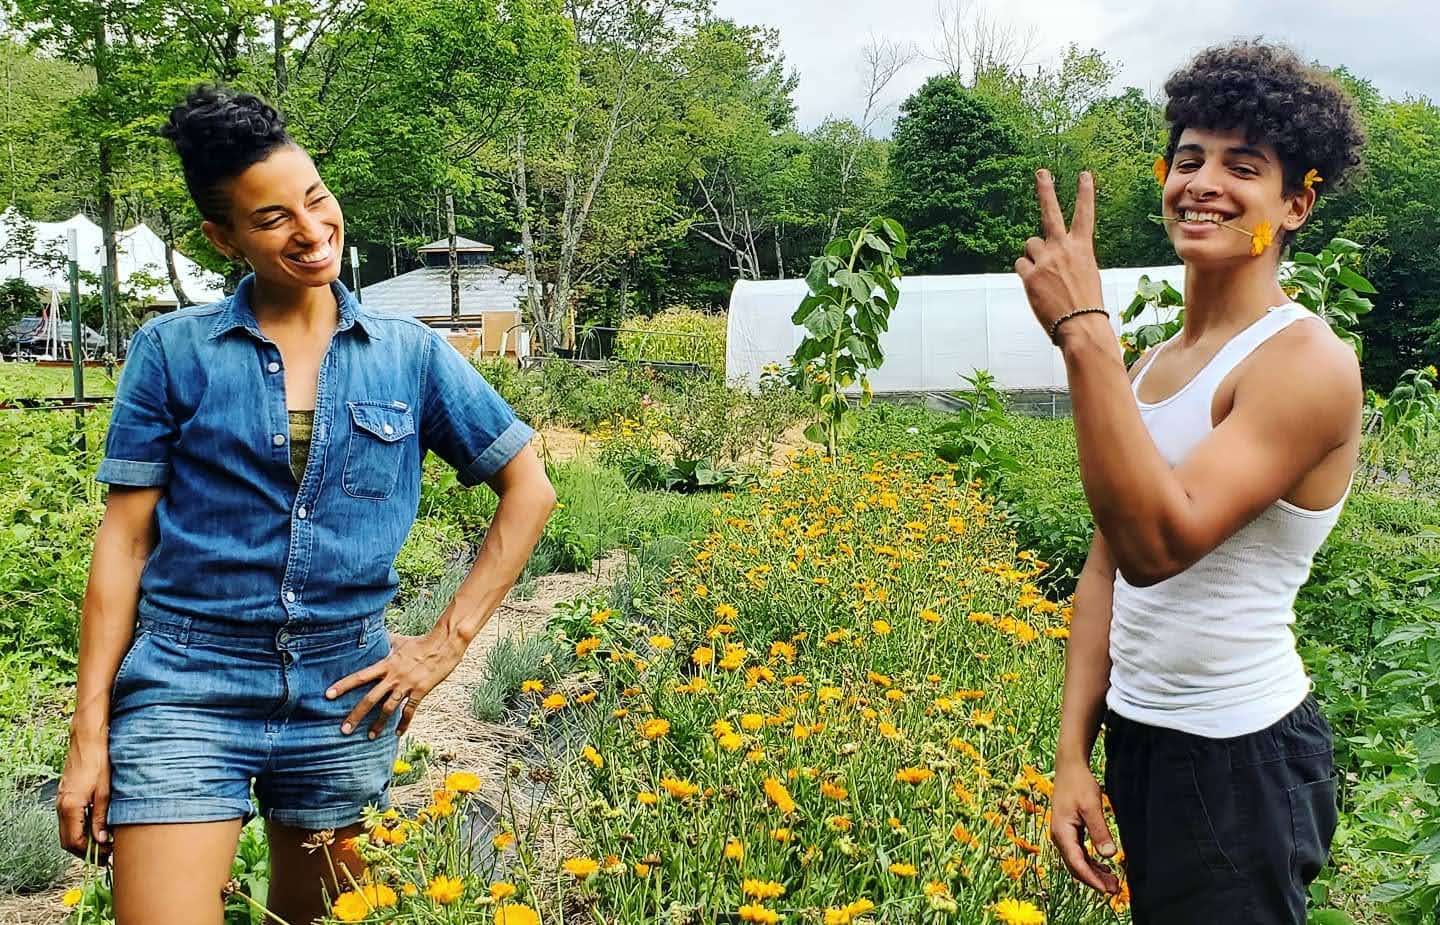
382, 433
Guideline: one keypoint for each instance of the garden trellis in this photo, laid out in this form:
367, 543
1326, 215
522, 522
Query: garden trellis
945, 327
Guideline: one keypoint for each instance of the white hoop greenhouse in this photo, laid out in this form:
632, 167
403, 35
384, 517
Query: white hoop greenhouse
945, 327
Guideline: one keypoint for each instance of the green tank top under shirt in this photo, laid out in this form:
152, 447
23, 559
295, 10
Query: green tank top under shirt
302, 424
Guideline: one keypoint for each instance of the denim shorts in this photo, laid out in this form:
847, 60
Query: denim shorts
1222, 830
200, 711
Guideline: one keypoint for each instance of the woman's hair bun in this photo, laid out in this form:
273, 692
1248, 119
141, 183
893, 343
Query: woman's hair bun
218, 133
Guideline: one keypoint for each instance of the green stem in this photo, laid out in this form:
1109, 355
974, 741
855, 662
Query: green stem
836, 406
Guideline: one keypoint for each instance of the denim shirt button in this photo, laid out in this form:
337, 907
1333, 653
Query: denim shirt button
273, 367
301, 513
290, 596
278, 440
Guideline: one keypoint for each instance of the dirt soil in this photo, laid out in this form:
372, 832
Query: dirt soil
443, 721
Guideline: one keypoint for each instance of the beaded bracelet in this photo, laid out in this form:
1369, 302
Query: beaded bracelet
1055, 325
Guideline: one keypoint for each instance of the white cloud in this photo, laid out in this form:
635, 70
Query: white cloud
1377, 39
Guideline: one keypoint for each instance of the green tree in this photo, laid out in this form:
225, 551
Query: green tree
960, 181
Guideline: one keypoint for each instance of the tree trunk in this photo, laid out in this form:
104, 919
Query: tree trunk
282, 70
454, 257
104, 77
181, 299
534, 298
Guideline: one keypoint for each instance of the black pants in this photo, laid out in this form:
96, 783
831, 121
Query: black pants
1222, 830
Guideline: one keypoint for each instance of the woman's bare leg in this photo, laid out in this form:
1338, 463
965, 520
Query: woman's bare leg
173, 874
300, 877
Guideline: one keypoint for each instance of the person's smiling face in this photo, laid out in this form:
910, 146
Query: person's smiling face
1217, 175
283, 221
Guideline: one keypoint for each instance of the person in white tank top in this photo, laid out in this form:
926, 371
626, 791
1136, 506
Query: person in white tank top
1213, 478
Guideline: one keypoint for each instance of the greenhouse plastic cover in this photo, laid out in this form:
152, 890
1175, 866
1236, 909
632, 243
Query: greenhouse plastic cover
944, 327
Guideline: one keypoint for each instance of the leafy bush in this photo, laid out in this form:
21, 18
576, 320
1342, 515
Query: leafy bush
678, 334
509, 664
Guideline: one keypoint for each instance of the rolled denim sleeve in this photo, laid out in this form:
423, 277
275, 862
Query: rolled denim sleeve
465, 421
142, 427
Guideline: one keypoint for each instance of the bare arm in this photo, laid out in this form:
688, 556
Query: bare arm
416, 664
1289, 413
107, 624
1087, 657
526, 500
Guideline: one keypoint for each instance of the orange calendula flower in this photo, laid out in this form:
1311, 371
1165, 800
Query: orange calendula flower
1161, 169
581, 868
585, 646
779, 795
762, 889
462, 782
502, 889
591, 755
554, 702
1018, 912
725, 612
679, 789
754, 912
512, 914
532, 686
503, 840
655, 728
913, 775
647, 798
1312, 176
903, 870
1262, 237
445, 890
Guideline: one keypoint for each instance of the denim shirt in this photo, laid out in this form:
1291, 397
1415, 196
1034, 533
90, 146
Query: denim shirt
200, 410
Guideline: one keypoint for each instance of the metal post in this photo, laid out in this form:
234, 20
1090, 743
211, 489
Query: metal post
355, 272
77, 350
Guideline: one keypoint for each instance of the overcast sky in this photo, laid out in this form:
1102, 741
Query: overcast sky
1389, 42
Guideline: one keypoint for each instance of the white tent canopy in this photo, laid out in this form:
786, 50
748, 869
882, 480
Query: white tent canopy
140, 250
944, 327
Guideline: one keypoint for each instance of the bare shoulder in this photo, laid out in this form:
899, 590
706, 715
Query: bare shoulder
1309, 370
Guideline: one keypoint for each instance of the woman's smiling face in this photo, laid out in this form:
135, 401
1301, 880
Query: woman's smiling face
1217, 175
283, 221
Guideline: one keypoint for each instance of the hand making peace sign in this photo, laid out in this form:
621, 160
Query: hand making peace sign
1059, 271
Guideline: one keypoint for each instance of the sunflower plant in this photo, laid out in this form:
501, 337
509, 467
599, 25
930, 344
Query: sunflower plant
852, 294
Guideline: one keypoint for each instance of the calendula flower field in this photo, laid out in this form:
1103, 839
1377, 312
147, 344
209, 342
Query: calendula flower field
838, 709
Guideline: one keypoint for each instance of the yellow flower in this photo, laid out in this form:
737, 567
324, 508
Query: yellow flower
532, 686
462, 782
1262, 237
833, 790
1312, 176
725, 612
655, 728
642, 869
913, 775
72, 897
679, 789
585, 646
982, 719
401, 766
511, 914
1161, 170
581, 868
903, 870
703, 655
779, 795
731, 741
591, 755
762, 889
409, 889
350, 907
780, 834
647, 798
503, 840
1018, 912
554, 702
502, 889
734, 850
880, 627
754, 912
930, 616
662, 642
445, 890
752, 722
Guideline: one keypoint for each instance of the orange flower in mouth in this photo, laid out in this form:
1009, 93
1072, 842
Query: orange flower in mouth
1262, 237
1162, 170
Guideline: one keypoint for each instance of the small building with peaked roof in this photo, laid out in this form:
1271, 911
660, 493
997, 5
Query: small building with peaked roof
490, 297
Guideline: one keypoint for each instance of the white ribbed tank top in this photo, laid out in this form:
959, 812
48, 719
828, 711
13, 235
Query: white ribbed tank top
1210, 651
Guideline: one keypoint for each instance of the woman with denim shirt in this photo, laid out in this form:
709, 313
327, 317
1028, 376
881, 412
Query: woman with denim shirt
264, 455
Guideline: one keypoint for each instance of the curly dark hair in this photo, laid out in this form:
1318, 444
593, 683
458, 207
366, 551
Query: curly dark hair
218, 133
1269, 92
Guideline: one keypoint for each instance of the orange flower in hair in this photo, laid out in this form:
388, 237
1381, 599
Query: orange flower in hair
1312, 176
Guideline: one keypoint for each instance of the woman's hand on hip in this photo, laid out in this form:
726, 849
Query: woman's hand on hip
85, 787
415, 665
